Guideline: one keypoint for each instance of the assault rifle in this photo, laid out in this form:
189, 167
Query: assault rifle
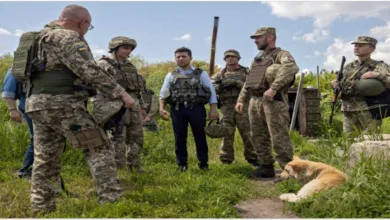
337, 89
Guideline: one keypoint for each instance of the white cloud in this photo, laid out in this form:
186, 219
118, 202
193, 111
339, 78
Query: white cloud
325, 13
186, 37
4, 32
340, 48
314, 37
317, 53
381, 31
18, 32
97, 51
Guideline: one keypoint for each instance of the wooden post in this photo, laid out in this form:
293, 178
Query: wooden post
297, 103
213, 45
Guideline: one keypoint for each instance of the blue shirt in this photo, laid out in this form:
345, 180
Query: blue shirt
9, 89
204, 80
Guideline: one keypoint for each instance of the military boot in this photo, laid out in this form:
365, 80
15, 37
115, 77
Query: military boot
265, 171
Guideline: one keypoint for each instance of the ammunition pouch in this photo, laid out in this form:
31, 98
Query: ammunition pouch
89, 139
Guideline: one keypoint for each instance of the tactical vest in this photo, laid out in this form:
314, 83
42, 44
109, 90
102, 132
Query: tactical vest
232, 93
147, 97
128, 76
256, 78
348, 84
187, 89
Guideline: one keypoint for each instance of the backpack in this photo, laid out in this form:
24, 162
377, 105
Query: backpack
25, 56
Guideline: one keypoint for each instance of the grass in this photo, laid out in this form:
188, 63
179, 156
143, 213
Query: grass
165, 193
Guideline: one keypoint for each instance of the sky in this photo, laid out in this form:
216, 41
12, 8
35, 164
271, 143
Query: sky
316, 33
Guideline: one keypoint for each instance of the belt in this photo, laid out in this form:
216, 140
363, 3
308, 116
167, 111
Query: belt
277, 97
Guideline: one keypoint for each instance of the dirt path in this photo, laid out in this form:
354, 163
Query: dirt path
264, 207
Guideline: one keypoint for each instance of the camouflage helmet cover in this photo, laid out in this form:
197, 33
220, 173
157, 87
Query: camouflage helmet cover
104, 109
216, 130
263, 30
119, 41
231, 52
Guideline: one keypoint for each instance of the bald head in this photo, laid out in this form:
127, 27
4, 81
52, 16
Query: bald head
74, 12
75, 17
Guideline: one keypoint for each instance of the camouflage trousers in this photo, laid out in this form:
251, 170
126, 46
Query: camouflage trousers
231, 119
128, 145
360, 122
52, 128
269, 128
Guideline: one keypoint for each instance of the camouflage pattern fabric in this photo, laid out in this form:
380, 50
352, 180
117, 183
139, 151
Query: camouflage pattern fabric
360, 122
121, 40
278, 75
65, 47
51, 128
61, 47
352, 102
365, 40
231, 119
128, 145
269, 128
269, 120
152, 110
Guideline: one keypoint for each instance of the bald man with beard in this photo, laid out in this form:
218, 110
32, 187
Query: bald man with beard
56, 104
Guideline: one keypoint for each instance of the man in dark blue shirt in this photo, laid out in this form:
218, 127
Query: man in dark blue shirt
14, 90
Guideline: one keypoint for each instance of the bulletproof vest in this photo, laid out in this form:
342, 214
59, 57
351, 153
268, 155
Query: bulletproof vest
24, 55
147, 97
57, 81
256, 78
232, 92
128, 76
350, 84
187, 88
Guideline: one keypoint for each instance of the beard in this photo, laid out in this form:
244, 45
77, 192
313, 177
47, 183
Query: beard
262, 46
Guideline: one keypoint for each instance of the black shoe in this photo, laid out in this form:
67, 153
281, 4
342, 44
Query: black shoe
26, 175
203, 166
182, 168
265, 171
254, 163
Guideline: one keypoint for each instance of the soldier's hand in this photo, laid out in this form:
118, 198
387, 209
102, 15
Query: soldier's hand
239, 107
269, 95
164, 115
213, 114
147, 118
15, 115
334, 84
127, 100
370, 75
143, 113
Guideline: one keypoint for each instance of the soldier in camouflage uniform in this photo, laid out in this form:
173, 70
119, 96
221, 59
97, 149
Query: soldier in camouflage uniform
56, 104
127, 144
228, 84
357, 116
266, 89
151, 103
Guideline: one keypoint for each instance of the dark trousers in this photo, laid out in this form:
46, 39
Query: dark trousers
196, 117
29, 155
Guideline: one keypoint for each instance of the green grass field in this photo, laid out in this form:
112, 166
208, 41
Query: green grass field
164, 192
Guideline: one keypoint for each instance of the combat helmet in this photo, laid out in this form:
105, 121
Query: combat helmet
119, 41
104, 110
369, 87
216, 130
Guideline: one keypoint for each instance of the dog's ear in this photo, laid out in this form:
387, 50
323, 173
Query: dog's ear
295, 167
295, 157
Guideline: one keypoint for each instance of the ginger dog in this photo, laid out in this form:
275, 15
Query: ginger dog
322, 177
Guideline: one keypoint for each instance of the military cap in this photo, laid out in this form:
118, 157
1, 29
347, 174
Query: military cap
365, 40
231, 52
264, 30
119, 41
